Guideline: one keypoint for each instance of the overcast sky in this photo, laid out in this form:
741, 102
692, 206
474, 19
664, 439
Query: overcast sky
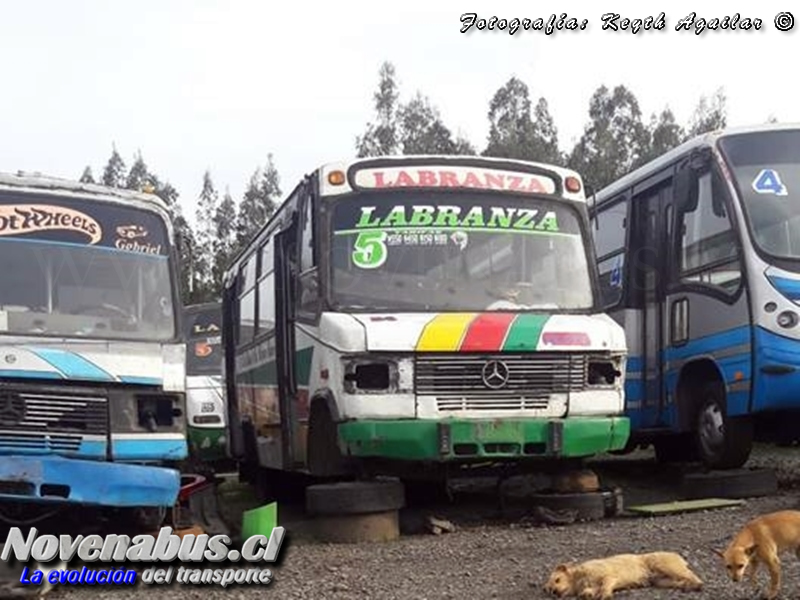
218, 84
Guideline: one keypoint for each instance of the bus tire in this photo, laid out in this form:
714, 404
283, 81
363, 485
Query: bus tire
676, 448
324, 456
355, 497
731, 483
723, 442
580, 507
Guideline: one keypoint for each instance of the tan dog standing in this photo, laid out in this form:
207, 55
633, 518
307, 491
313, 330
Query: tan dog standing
762, 540
600, 578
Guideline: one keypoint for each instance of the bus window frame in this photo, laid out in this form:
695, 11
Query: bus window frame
675, 283
580, 207
623, 197
241, 292
308, 208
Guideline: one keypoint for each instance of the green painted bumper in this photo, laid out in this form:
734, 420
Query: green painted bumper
464, 439
207, 443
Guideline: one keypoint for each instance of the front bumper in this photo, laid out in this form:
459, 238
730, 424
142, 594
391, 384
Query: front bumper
207, 443
53, 479
454, 440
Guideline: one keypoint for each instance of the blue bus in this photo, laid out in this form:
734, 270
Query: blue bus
699, 259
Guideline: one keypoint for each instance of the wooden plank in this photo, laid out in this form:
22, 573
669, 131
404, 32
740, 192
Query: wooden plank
683, 506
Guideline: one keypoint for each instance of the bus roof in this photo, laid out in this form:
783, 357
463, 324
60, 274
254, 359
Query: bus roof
38, 183
424, 159
663, 161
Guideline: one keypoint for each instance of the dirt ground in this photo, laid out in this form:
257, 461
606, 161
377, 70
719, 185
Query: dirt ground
491, 557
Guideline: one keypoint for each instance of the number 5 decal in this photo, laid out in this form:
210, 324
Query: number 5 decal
369, 250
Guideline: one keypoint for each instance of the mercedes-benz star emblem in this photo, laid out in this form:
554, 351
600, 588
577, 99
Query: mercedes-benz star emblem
12, 408
495, 374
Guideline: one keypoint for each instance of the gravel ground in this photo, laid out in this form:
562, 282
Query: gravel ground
509, 559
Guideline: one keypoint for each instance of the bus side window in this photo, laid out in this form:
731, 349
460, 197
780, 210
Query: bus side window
247, 301
708, 251
609, 242
308, 282
307, 236
266, 289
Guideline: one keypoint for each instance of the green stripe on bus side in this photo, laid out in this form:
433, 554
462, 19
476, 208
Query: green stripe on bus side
267, 374
524, 332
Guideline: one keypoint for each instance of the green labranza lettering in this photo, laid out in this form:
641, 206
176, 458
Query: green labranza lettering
421, 215
549, 222
366, 214
477, 217
474, 218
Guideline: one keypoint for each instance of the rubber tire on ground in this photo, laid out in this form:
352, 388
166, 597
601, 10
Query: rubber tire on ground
354, 529
589, 506
355, 497
675, 449
730, 484
737, 431
324, 456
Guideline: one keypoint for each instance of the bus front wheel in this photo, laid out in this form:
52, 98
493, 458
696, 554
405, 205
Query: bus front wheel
723, 442
324, 456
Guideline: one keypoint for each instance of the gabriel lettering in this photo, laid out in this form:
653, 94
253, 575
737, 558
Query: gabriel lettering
19, 219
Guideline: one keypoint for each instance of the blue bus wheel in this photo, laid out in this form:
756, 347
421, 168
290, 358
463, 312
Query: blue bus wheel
723, 442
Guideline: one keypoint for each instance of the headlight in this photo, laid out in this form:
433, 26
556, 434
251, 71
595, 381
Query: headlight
787, 319
603, 371
367, 375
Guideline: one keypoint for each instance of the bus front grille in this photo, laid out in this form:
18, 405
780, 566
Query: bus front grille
32, 413
39, 442
498, 382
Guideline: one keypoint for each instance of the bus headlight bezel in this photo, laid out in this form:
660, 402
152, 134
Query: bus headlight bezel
787, 319
370, 375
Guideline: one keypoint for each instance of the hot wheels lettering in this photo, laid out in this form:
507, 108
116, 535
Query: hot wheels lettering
20, 219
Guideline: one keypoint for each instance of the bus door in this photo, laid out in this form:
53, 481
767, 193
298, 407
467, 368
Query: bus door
708, 308
237, 446
650, 210
286, 245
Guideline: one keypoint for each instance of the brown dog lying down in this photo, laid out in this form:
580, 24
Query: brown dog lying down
600, 578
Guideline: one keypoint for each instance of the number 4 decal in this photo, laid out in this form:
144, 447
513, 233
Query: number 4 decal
769, 182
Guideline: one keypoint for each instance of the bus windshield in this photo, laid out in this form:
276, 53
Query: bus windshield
79, 268
203, 341
766, 166
422, 251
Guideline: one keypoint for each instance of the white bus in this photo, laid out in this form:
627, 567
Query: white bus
92, 361
421, 311
699, 259
205, 395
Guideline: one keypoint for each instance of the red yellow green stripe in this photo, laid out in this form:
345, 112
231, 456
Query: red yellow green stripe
524, 333
482, 332
487, 332
444, 332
